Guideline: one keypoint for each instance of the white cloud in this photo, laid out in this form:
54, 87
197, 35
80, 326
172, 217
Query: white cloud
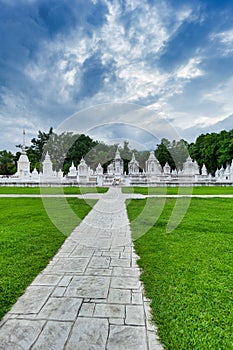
190, 70
225, 39
130, 43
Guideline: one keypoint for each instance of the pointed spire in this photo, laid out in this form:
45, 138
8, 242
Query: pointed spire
23, 147
117, 155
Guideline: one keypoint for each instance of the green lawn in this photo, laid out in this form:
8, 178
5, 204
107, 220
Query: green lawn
28, 240
188, 273
51, 190
174, 190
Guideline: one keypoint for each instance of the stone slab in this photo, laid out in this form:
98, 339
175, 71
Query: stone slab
127, 337
72, 265
99, 262
88, 287
88, 334
87, 310
19, 334
53, 336
135, 315
119, 296
125, 283
63, 309
33, 300
109, 310
46, 280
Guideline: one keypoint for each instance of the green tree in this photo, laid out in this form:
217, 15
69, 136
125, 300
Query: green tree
35, 151
163, 153
7, 163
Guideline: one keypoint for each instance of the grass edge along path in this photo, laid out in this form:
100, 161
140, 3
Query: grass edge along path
51, 190
28, 241
188, 273
196, 190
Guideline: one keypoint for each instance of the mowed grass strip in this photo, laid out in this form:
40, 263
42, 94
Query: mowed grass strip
28, 240
51, 190
201, 190
188, 273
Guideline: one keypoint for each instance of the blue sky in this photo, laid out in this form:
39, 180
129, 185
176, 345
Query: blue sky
58, 57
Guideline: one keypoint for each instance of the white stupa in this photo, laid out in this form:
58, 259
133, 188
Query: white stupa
152, 165
23, 164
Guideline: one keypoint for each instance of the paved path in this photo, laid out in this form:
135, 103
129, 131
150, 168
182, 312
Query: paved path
89, 296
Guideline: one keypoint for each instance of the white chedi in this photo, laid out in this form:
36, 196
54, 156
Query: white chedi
23, 165
72, 171
152, 165
133, 166
47, 167
204, 170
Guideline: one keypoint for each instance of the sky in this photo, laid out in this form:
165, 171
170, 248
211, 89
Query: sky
171, 60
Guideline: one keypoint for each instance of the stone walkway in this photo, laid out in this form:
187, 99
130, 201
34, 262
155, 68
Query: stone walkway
89, 297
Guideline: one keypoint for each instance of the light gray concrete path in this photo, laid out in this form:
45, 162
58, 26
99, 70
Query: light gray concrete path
89, 296
129, 195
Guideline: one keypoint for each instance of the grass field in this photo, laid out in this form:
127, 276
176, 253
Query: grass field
28, 240
188, 273
174, 190
51, 190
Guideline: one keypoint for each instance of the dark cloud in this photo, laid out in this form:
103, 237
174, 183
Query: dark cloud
60, 56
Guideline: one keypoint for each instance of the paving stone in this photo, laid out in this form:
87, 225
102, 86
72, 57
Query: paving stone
125, 255
46, 280
127, 337
82, 252
153, 341
137, 298
99, 262
71, 265
33, 300
111, 254
125, 283
54, 335
88, 287
67, 247
65, 281
128, 249
26, 316
147, 309
125, 272
120, 262
98, 272
63, 309
98, 253
135, 315
19, 334
98, 301
87, 310
58, 292
117, 321
88, 334
118, 249
62, 255
119, 296
109, 310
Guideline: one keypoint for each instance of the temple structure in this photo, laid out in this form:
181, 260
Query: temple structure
154, 173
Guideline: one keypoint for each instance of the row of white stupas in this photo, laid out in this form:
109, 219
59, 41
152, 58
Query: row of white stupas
83, 174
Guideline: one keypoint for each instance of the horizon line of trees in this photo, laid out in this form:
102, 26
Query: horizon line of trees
212, 149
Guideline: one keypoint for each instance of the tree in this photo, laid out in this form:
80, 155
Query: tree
7, 163
163, 153
35, 151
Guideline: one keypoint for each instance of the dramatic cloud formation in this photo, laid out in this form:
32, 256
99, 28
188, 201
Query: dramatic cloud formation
58, 57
